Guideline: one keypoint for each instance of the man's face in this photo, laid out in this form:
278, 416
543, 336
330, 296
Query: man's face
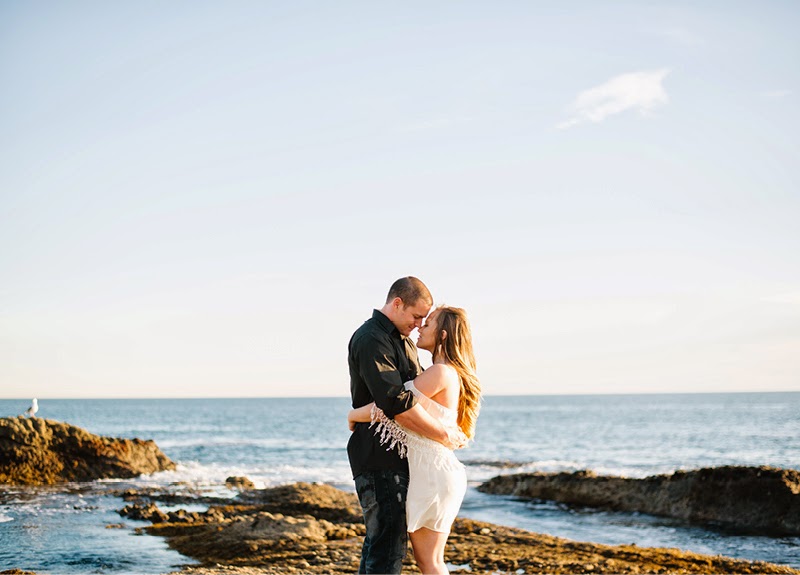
408, 318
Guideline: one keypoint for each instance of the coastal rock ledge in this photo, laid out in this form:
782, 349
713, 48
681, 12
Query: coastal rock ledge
758, 500
306, 528
41, 452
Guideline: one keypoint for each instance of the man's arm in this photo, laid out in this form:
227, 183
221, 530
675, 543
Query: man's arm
420, 421
416, 419
377, 366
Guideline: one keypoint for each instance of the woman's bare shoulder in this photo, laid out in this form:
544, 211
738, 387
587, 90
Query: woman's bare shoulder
436, 378
441, 370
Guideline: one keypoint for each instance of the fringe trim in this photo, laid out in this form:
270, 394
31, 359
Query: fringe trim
395, 436
389, 432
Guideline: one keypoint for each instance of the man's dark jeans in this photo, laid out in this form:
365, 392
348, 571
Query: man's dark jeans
382, 495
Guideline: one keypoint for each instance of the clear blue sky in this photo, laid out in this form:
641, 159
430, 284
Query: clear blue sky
207, 198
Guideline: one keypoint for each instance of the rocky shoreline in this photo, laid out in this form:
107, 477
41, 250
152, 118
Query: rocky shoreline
757, 500
36, 451
312, 528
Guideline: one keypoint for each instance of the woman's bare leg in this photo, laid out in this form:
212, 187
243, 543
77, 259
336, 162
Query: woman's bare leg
428, 548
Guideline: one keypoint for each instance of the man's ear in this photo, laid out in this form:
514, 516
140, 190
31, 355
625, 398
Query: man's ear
397, 303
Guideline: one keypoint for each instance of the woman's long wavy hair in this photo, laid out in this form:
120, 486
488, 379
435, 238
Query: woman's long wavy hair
456, 350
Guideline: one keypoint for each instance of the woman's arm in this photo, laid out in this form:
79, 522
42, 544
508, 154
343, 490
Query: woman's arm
360, 415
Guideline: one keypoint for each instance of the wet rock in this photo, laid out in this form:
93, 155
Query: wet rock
247, 539
37, 451
759, 500
242, 483
149, 512
166, 494
321, 501
183, 516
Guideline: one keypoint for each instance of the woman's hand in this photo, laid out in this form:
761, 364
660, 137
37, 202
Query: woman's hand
360, 415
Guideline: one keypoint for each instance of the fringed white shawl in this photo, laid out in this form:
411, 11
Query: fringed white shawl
395, 436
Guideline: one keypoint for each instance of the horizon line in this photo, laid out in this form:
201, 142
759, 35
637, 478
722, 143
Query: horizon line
596, 394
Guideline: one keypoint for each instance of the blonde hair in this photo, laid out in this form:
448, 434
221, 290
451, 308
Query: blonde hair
456, 350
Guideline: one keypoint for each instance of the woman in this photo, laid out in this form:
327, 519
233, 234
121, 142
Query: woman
449, 390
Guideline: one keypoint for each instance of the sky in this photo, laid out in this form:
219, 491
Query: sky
205, 199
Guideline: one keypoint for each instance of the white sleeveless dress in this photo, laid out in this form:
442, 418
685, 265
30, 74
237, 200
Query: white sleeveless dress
437, 480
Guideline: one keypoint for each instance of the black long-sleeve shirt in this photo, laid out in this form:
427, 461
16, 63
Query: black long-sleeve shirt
380, 361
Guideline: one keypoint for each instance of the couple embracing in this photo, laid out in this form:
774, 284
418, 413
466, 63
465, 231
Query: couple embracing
406, 423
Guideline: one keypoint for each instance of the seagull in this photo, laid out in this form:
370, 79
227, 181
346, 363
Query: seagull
31, 411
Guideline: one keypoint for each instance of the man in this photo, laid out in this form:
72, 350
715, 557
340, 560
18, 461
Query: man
381, 359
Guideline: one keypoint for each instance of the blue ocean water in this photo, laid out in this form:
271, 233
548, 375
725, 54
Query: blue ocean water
276, 441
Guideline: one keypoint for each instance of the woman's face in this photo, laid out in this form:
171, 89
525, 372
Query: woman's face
427, 333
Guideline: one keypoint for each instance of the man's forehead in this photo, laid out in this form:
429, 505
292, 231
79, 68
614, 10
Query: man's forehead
421, 309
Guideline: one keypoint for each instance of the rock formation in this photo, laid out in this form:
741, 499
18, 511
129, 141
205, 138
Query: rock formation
759, 500
41, 451
309, 528
240, 483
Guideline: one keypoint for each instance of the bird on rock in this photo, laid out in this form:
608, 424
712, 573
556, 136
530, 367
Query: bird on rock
31, 411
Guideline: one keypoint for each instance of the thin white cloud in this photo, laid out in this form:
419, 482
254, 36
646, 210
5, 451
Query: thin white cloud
679, 35
788, 298
642, 91
774, 95
433, 123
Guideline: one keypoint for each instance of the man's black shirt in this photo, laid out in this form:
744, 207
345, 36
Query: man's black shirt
380, 361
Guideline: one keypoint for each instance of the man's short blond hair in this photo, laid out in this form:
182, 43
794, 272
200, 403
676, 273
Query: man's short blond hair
411, 290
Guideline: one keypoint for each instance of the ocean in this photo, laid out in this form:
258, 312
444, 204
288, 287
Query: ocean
63, 530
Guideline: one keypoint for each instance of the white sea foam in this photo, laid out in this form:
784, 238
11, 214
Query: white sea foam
552, 466
5, 518
477, 472
268, 443
211, 476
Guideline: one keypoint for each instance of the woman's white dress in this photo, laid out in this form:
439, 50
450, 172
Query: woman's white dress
437, 480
